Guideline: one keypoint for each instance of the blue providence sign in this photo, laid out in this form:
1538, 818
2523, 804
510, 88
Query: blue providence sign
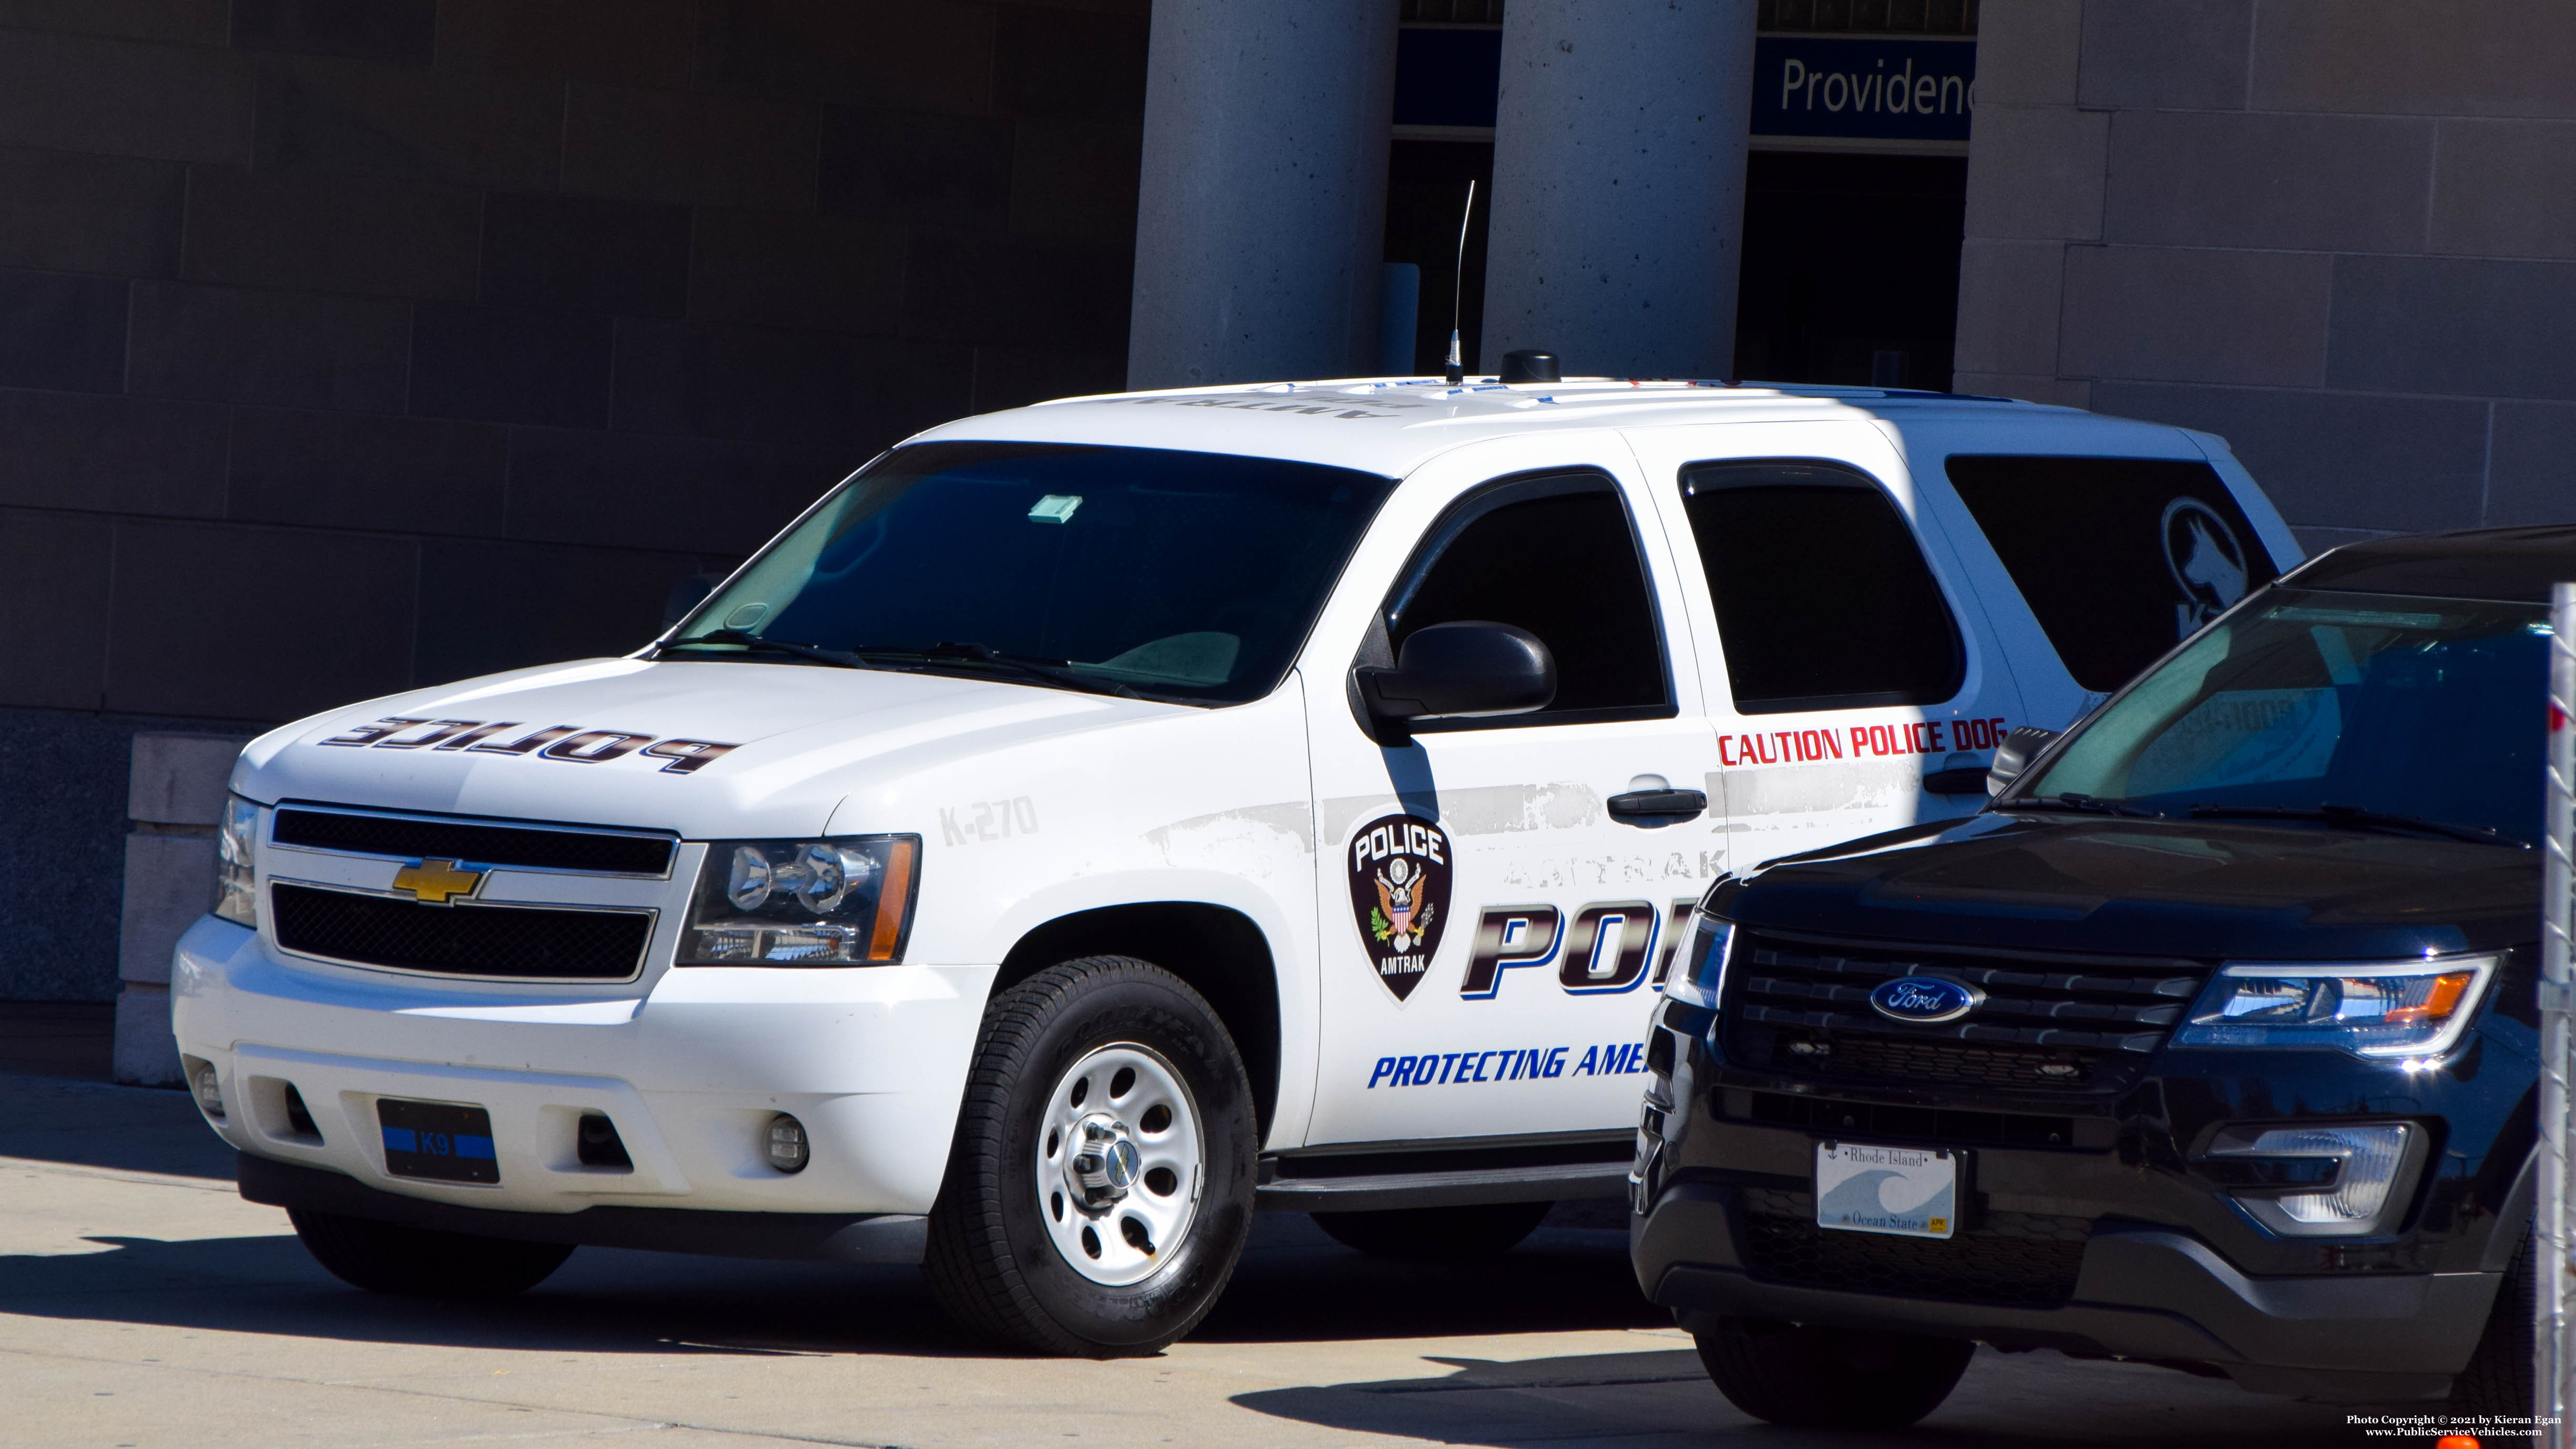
1863, 90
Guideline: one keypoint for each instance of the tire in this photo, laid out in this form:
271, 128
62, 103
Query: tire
1033, 1249
1831, 1378
406, 1262
1436, 1235
2498, 1377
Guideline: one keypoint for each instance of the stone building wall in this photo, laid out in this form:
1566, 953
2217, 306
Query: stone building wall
2341, 233
351, 345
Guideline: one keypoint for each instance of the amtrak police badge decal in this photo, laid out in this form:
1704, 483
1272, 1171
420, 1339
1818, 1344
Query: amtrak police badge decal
1400, 897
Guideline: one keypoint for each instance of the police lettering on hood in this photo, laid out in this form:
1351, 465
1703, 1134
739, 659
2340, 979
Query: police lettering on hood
1399, 871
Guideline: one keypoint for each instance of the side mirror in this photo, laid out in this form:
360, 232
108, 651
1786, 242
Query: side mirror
2014, 756
1465, 669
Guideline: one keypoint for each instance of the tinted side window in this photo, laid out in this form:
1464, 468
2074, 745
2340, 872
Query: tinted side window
2120, 558
1823, 598
1565, 568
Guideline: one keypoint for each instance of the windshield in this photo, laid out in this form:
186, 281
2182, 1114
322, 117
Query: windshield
1188, 576
2332, 703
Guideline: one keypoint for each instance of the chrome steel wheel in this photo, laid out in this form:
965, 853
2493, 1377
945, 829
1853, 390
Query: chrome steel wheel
1121, 1160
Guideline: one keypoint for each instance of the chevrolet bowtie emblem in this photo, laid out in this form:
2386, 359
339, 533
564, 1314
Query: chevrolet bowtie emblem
436, 881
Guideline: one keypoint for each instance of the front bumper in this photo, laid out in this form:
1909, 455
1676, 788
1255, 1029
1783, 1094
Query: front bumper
2141, 1292
836, 1237
871, 1059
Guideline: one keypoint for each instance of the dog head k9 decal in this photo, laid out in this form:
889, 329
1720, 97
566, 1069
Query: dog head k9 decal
1399, 869
2208, 563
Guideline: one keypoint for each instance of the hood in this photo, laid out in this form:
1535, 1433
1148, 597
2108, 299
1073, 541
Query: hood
2182, 888
709, 749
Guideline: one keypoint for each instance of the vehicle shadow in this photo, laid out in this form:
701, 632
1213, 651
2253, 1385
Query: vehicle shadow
93, 1124
2017, 1401
1294, 1285
1297, 1285
1590, 1398
603, 1300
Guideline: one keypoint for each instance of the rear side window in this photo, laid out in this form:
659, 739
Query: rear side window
1555, 556
2119, 558
1823, 597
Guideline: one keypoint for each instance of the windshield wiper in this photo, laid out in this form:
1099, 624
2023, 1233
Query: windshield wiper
738, 638
2086, 803
946, 650
2358, 818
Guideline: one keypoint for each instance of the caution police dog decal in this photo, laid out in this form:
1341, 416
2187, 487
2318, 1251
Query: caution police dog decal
1399, 869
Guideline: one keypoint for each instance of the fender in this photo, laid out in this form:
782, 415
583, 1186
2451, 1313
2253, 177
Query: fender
2519, 1203
1289, 940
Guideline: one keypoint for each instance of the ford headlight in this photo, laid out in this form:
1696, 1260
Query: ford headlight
236, 862
840, 902
2415, 1008
1699, 971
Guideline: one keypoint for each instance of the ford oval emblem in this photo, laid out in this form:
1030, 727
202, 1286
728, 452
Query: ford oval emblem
1924, 1000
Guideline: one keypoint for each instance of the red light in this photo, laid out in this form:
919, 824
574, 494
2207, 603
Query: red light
2456, 1441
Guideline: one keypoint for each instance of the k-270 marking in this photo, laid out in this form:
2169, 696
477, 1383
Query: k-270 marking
985, 820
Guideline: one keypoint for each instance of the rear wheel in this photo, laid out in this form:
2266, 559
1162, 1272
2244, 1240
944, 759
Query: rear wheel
422, 1263
1436, 1235
2498, 1378
1100, 1188
1831, 1378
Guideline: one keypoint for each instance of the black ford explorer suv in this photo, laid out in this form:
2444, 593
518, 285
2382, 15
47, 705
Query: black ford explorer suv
2212, 1042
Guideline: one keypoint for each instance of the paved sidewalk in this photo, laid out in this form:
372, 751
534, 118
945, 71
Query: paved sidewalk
143, 1304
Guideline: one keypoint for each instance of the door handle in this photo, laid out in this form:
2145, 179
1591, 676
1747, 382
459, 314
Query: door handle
1657, 807
1966, 780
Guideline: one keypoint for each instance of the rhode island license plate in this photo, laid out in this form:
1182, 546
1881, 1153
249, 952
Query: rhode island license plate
438, 1140
1911, 1192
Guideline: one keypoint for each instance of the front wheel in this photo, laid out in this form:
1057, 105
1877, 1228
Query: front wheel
423, 1262
1100, 1188
1831, 1378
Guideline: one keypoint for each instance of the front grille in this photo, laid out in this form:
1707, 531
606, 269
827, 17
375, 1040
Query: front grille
1962, 1066
474, 841
465, 940
2009, 1260
1877, 1120
1800, 1006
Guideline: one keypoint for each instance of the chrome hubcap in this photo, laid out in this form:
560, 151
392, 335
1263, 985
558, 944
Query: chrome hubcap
1120, 1159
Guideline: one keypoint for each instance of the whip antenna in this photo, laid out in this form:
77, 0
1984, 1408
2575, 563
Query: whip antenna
1457, 289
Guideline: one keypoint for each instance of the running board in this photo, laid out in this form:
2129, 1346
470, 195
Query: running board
1376, 1176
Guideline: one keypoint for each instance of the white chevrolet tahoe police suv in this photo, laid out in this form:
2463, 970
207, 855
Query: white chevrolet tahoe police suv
1092, 822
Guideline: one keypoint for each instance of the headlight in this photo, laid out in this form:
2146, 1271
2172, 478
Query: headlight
844, 902
1699, 974
2313, 1182
236, 867
2371, 1009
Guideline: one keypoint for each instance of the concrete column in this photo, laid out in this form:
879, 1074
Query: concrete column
175, 796
1619, 184
1262, 216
